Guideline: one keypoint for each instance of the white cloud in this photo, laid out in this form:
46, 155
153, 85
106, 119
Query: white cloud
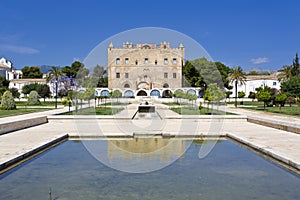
259, 60
18, 49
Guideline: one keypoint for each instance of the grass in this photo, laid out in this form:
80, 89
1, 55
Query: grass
293, 110
115, 104
196, 111
97, 111
176, 104
20, 111
47, 103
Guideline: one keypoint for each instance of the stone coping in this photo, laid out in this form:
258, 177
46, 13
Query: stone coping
6, 127
288, 163
233, 117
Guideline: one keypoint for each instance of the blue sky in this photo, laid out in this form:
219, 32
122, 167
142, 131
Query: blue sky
261, 34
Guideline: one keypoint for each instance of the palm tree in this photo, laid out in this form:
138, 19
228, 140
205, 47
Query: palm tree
55, 74
237, 76
284, 73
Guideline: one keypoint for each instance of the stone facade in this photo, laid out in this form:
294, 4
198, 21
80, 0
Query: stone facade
145, 66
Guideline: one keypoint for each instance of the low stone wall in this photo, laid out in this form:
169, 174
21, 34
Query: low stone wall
21, 124
274, 124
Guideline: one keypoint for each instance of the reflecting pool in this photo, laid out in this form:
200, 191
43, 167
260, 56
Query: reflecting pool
228, 172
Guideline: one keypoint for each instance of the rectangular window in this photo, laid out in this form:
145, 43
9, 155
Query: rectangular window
174, 61
118, 61
146, 61
165, 75
126, 75
274, 83
126, 61
155, 62
117, 75
174, 75
166, 61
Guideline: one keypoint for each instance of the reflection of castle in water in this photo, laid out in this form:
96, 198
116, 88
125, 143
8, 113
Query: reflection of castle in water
151, 148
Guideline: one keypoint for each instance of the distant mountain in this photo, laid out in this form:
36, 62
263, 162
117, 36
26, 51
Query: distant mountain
45, 68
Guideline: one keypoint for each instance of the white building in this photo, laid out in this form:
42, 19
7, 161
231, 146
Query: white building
253, 82
19, 83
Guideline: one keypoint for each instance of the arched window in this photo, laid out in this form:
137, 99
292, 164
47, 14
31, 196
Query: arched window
118, 61
126, 85
166, 85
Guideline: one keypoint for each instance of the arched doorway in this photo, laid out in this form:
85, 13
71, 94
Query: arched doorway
155, 93
141, 93
192, 91
104, 93
167, 94
128, 94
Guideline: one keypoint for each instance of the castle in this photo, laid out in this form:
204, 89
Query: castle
145, 67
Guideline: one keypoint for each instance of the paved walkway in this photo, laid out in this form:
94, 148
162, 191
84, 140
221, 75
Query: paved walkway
279, 144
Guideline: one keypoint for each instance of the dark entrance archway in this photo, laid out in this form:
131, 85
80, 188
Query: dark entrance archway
141, 93
167, 94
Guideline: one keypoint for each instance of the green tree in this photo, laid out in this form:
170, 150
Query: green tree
99, 72
72, 71
241, 94
264, 96
43, 91
214, 93
295, 71
280, 99
252, 95
116, 94
26, 89
192, 76
4, 83
31, 72
8, 102
33, 98
224, 71
15, 93
291, 100
89, 94
237, 76
284, 73
55, 74
291, 87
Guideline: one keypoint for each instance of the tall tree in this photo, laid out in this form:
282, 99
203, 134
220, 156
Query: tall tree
191, 75
31, 72
54, 76
237, 76
284, 73
43, 91
295, 67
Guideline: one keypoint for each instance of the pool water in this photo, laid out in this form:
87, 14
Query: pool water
228, 172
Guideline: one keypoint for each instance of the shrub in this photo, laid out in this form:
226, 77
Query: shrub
291, 100
280, 99
252, 95
241, 94
8, 102
33, 98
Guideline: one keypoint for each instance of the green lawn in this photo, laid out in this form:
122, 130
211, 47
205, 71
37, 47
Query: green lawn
293, 110
97, 111
115, 104
196, 111
20, 111
47, 103
176, 104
